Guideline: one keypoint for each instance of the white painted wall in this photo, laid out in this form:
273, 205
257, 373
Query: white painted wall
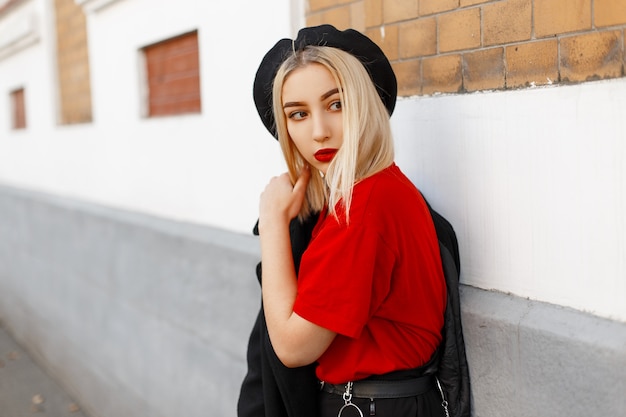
207, 168
534, 180
26, 53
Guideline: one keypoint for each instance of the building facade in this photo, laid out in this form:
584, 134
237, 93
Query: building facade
131, 160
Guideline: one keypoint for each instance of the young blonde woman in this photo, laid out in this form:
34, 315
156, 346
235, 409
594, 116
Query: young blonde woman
352, 282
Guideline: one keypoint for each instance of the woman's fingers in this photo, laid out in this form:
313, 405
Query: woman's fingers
282, 199
299, 188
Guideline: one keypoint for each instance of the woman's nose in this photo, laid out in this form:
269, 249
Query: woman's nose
321, 132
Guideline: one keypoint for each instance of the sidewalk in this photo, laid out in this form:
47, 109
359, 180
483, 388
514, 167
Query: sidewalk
25, 389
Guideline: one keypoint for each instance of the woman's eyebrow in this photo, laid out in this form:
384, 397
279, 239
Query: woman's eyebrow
329, 93
322, 98
293, 104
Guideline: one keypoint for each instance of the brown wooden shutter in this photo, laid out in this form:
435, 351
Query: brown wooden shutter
173, 72
19, 109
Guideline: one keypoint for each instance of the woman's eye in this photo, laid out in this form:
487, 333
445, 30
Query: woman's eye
335, 105
297, 115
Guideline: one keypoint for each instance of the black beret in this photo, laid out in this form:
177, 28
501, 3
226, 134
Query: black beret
351, 41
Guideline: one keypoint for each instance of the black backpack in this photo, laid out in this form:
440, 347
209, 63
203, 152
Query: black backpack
449, 363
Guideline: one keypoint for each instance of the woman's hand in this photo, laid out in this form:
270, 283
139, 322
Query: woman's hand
281, 201
296, 341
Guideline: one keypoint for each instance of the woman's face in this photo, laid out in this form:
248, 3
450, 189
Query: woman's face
312, 109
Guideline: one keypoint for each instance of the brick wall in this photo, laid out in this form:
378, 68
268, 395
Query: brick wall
73, 63
456, 46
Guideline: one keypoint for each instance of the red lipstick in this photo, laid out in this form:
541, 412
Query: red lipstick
326, 154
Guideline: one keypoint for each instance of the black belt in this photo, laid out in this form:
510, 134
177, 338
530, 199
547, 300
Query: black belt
384, 389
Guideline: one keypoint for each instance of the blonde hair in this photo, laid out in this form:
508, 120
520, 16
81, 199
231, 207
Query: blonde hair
367, 140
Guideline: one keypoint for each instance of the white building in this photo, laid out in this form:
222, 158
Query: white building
533, 180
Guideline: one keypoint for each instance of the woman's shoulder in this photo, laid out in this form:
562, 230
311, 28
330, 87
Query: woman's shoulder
387, 190
391, 183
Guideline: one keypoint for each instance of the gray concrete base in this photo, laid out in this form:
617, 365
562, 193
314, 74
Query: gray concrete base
530, 359
136, 316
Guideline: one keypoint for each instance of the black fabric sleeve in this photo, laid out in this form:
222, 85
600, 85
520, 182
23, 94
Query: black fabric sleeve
270, 389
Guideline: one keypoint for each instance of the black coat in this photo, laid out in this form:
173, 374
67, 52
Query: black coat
272, 390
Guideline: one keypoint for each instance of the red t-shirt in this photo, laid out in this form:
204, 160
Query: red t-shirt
377, 282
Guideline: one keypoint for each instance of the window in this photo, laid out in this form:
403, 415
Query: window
18, 108
74, 73
173, 76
